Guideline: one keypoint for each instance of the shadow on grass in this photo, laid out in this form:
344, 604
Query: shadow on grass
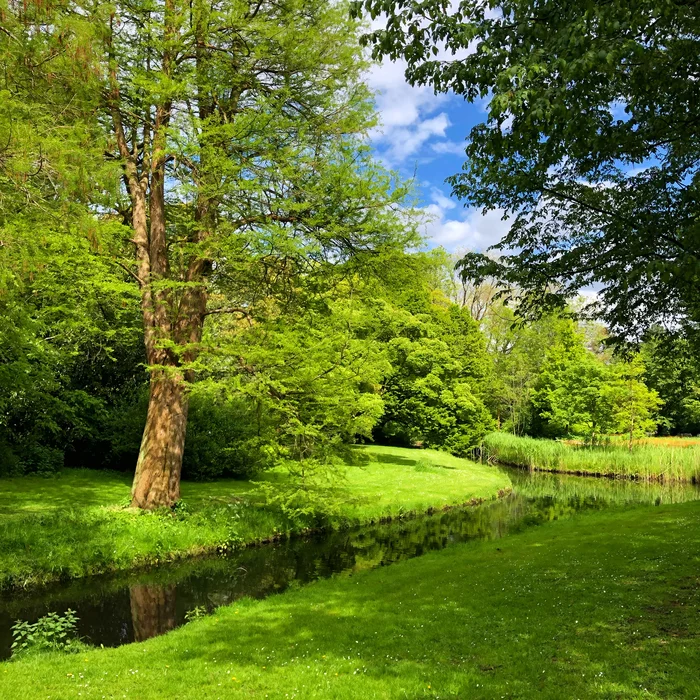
69, 489
572, 606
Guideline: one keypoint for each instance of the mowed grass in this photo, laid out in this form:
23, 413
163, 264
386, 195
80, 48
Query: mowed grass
604, 605
646, 461
76, 524
396, 481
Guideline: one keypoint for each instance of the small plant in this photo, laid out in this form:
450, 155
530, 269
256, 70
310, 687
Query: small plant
125, 502
312, 486
422, 465
196, 612
181, 509
53, 632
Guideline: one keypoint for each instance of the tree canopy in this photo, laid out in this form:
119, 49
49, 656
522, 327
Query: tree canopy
589, 146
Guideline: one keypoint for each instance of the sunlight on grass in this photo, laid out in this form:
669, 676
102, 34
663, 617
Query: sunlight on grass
650, 460
75, 525
602, 605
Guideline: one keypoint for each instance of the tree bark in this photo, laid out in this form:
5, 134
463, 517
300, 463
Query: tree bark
173, 318
157, 478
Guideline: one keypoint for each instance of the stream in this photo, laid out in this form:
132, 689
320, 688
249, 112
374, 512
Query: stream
119, 609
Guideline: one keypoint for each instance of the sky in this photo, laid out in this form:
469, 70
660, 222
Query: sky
422, 136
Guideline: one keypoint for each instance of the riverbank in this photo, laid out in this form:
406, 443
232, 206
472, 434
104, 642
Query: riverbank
604, 604
76, 525
645, 462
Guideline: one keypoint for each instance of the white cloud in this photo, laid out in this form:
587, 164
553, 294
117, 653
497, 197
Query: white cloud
471, 231
453, 147
405, 112
442, 200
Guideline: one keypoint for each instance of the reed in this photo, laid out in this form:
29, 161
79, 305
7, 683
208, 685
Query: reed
645, 461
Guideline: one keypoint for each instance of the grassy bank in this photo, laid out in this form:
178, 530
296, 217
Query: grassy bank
604, 605
649, 462
77, 525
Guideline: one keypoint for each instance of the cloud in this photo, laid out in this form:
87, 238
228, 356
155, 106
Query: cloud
453, 147
442, 200
471, 231
407, 114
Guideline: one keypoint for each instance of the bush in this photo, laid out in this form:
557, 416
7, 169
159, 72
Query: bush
222, 440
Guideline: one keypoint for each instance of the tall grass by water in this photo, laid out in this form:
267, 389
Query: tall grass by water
648, 462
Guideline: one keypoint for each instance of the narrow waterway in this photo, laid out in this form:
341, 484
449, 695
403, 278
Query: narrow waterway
117, 610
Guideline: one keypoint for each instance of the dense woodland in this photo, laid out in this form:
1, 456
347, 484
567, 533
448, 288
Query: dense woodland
406, 358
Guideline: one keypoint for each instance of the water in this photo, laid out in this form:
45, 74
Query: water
117, 610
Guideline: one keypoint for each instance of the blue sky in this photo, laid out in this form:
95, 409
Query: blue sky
423, 133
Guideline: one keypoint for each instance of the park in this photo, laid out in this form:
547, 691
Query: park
349, 349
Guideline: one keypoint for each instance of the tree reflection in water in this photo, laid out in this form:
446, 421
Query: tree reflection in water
153, 610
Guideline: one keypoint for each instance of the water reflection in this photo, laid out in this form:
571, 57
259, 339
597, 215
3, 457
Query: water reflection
153, 610
117, 610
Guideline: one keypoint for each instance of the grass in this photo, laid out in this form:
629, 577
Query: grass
603, 605
649, 462
76, 525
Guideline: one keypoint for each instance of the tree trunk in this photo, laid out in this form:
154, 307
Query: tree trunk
173, 317
157, 478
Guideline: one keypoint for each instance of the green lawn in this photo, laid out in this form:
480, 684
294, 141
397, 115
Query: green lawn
646, 461
76, 524
605, 605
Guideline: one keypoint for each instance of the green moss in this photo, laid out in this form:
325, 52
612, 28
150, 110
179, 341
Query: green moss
74, 525
604, 605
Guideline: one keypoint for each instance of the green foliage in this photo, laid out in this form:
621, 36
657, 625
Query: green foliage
634, 406
53, 632
578, 393
70, 343
278, 224
310, 491
303, 384
588, 145
572, 395
673, 371
518, 353
433, 394
195, 613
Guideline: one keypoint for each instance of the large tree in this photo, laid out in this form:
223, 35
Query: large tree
237, 126
590, 143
